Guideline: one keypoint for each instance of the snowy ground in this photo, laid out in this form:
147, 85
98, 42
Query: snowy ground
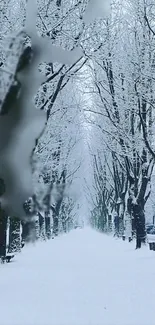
82, 278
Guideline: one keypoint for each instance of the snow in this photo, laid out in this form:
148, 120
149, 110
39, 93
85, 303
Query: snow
82, 278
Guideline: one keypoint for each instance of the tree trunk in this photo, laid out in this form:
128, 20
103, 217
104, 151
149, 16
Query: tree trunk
64, 226
14, 235
47, 225
55, 224
3, 232
55, 213
121, 226
41, 226
139, 217
109, 223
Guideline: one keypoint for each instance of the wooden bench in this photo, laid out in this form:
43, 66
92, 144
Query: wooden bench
151, 241
6, 258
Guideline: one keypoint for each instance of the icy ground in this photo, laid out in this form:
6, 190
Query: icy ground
82, 278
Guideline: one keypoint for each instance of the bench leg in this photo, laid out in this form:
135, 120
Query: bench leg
151, 246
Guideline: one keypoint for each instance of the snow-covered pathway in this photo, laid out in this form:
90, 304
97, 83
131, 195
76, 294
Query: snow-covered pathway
82, 278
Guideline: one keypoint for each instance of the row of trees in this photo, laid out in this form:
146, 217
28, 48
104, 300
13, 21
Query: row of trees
49, 211
113, 59
123, 76
54, 36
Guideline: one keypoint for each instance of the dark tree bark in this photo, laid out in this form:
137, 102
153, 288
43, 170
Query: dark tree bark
64, 226
139, 217
3, 232
110, 223
47, 225
55, 223
14, 235
41, 226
